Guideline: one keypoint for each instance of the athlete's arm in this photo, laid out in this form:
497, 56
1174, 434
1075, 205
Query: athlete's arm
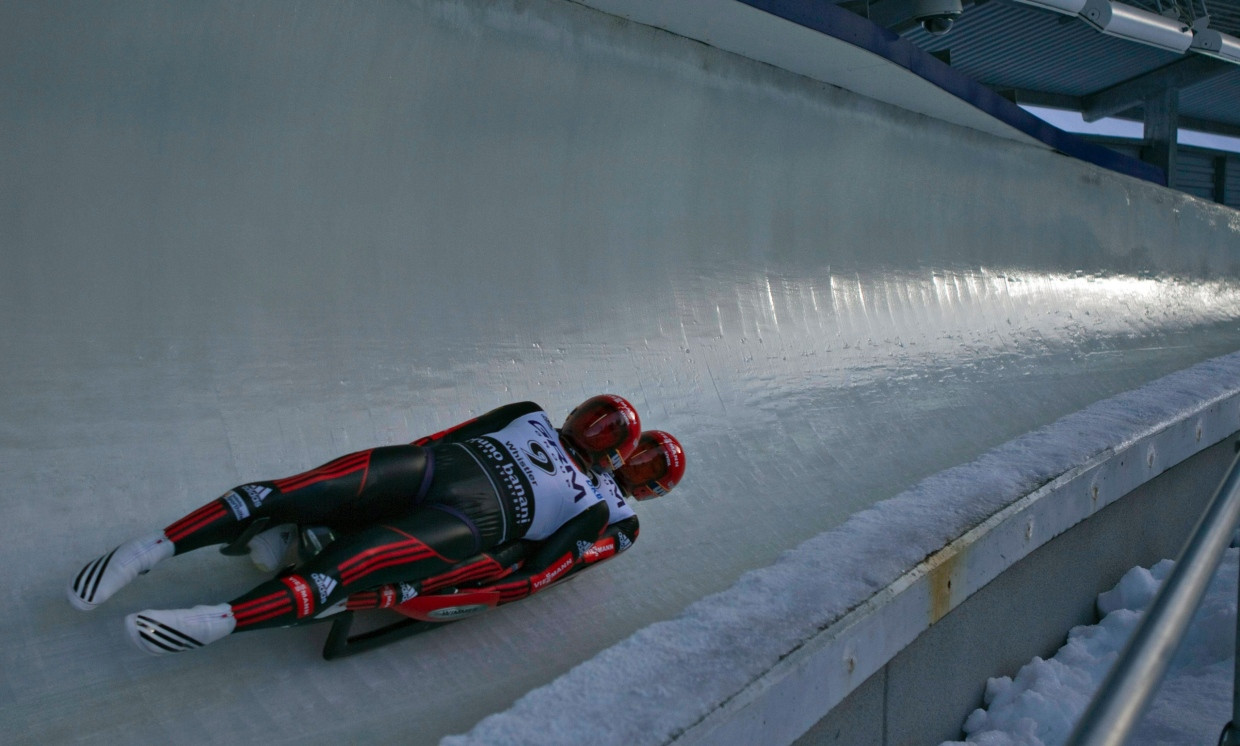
487, 567
496, 570
559, 556
616, 538
494, 420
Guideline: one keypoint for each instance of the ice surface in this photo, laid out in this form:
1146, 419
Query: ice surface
1041, 704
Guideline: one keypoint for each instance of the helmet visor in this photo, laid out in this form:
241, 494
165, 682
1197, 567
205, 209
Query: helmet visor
604, 428
654, 468
644, 469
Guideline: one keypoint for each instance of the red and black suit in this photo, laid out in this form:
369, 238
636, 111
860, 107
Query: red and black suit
409, 512
541, 564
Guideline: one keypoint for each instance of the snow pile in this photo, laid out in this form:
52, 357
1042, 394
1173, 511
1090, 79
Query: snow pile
1040, 706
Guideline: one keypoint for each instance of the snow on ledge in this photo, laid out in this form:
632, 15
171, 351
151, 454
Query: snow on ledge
674, 675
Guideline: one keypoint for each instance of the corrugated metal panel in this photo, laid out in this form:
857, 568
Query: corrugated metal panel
1232, 191
1195, 174
1225, 16
1216, 100
1005, 45
1196, 168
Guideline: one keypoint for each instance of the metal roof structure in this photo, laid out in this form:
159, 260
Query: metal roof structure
1040, 57
1036, 55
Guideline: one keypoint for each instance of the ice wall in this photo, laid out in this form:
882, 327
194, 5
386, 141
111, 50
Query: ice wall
237, 240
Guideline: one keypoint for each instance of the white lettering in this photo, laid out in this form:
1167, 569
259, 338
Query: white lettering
550, 575
301, 595
239, 508
521, 502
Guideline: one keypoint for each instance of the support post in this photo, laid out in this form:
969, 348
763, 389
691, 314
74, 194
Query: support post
1162, 124
1231, 733
1220, 179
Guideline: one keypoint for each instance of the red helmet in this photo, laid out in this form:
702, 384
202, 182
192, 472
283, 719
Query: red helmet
654, 468
604, 429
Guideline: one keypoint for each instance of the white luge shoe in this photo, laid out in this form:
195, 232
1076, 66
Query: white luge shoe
160, 632
272, 549
99, 580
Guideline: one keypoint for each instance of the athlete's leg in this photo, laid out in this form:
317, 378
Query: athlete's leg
426, 542
353, 490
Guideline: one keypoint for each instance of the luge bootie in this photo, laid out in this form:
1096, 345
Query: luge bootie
272, 549
100, 579
160, 632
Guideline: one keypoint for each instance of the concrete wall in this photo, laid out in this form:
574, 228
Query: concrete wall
238, 239
925, 693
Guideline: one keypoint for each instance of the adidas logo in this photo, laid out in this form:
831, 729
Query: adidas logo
407, 591
583, 547
257, 493
325, 584
622, 542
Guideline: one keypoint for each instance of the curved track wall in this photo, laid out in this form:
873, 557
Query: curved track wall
239, 240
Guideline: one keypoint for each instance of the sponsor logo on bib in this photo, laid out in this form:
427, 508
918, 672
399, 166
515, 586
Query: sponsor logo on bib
539, 457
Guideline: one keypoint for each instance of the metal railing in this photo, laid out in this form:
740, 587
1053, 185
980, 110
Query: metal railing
1121, 699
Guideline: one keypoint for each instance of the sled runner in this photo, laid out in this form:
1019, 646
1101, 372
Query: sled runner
423, 613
